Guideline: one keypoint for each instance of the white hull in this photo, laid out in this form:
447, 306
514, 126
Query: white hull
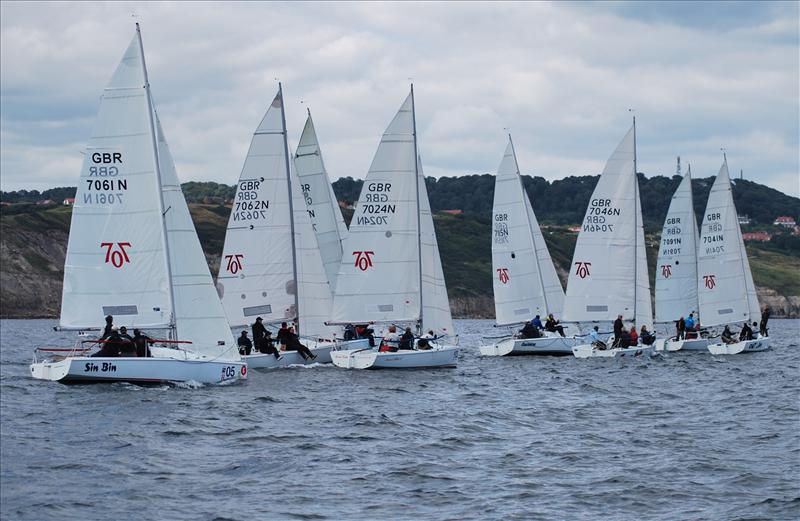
546, 346
439, 356
82, 369
691, 344
745, 346
290, 358
589, 351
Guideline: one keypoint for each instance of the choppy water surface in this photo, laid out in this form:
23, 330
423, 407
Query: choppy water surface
682, 436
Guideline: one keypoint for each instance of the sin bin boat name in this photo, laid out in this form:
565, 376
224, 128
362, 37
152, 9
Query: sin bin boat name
599, 210
375, 209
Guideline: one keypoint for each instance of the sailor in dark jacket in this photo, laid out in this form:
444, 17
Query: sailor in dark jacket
618, 329
142, 343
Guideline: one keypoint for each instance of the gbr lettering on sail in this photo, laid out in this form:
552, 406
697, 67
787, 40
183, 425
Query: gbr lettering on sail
713, 238
598, 216
103, 183
376, 208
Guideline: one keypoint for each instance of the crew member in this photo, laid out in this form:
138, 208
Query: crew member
142, 343
293, 344
407, 340
618, 328
552, 325
245, 344
762, 327
126, 345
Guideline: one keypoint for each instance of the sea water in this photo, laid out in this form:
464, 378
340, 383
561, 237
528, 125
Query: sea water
679, 436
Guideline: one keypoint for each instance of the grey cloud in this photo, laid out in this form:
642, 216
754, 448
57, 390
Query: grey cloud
560, 76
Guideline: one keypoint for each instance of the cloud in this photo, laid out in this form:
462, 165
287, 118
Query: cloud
561, 77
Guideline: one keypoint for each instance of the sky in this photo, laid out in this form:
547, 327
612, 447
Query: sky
561, 77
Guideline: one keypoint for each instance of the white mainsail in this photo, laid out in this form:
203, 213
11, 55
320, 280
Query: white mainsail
435, 303
271, 265
609, 268
525, 280
676, 269
323, 209
379, 275
116, 257
725, 287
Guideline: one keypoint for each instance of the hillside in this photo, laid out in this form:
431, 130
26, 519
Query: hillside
33, 243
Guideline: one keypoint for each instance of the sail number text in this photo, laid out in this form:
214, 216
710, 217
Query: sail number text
374, 209
713, 239
597, 216
248, 205
105, 191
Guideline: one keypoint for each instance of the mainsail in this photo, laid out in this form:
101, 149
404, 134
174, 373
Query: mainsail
525, 280
676, 269
323, 209
725, 285
379, 274
116, 260
391, 269
608, 276
271, 265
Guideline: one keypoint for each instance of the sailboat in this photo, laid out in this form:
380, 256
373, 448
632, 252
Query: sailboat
609, 268
133, 253
525, 280
271, 265
676, 269
323, 209
726, 292
391, 271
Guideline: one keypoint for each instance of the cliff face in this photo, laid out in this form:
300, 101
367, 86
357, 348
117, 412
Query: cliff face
33, 245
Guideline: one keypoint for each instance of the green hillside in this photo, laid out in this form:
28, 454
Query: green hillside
33, 246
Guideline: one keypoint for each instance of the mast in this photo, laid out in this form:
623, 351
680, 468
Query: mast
419, 218
291, 211
528, 218
156, 159
695, 237
636, 225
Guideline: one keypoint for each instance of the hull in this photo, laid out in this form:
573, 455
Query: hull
588, 351
745, 346
290, 358
440, 356
81, 369
691, 344
545, 346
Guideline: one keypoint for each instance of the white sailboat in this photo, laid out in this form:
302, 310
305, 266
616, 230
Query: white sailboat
323, 209
391, 270
609, 268
133, 253
271, 265
676, 269
726, 292
525, 280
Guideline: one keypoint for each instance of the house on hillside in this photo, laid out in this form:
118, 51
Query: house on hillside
347, 205
452, 212
756, 236
69, 201
785, 221
45, 201
744, 219
574, 229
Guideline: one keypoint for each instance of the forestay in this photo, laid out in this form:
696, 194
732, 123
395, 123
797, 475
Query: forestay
378, 277
676, 269
608, 276
435, 304
199, 317
116, 259
525, 280
323, 209
725, 286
